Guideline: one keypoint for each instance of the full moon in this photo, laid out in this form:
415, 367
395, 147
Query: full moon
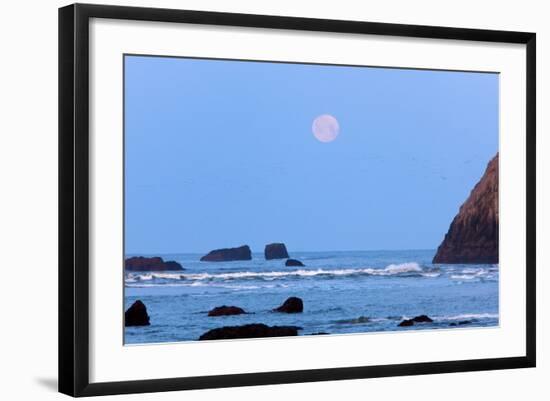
325, 128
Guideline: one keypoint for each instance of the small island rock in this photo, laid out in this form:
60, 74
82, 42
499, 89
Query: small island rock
228, 254
226, 311
249, 331
294, 262
291, 305
275, 251
136, 315
154, 264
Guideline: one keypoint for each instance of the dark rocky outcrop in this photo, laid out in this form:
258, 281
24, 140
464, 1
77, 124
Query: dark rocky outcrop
406, 323
473, 234
154, 264
291, 305
226, 311
228, 254
136, 315
422, 319
294, 262
416, 319
249, 331
275, 251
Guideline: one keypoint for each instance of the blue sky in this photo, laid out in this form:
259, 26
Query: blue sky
221, 153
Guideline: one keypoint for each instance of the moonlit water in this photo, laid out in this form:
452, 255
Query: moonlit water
343, 292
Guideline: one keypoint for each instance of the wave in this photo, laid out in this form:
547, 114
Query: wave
460, 317
469, 316
403, 269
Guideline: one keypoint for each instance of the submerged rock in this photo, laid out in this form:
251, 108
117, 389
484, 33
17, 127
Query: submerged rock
155, 264
473, 234
291, 305
136, 315
461, 323
226, 311
257, 330
422, 319
294, 262
275, 251
228, 254
416, 319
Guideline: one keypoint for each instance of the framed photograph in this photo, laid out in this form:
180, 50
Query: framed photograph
251, 199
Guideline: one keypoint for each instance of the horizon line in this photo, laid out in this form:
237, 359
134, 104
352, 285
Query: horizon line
297, 251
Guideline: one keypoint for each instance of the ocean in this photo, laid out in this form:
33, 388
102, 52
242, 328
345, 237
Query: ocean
343, 292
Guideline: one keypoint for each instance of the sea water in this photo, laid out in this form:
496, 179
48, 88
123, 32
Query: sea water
343, 292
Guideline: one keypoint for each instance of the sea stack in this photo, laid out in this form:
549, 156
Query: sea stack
275, 251
228, 254
473, 234
154, 264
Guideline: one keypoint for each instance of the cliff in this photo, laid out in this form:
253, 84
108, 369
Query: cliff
473, 234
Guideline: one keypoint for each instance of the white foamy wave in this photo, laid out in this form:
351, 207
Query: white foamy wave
470, 274
390, 270
403, 268
467, 316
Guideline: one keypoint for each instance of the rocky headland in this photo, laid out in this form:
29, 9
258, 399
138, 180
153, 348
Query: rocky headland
473, 234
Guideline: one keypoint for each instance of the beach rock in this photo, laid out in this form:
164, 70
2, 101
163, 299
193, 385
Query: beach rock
422, 319
249, 331
228, 254
155, 264
473, 234
226, 311
136, 315
275, 251
416, 319
293, 262
291, 305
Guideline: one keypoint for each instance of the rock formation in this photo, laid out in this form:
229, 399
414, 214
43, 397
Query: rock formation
416, 319
294, 262
275, 251
136, 315
140, 264
291, 305
226, 311
228, 254
249, 331
473, 234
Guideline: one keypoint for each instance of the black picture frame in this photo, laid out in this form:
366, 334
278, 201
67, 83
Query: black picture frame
74, 198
